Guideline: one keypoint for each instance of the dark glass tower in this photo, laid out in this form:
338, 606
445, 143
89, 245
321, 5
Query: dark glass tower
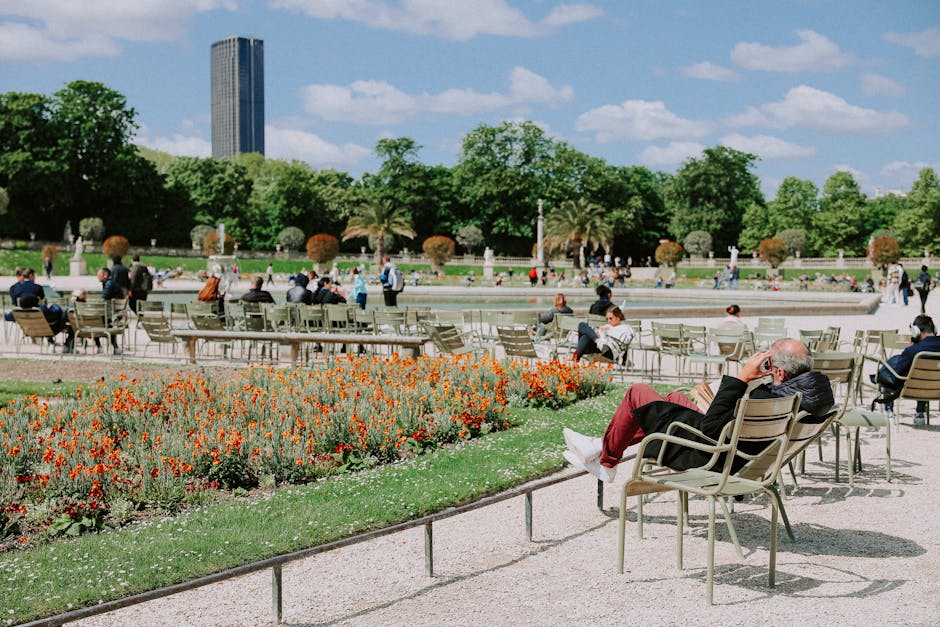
237, 96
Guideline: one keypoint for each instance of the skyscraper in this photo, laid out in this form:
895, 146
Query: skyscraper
237, 96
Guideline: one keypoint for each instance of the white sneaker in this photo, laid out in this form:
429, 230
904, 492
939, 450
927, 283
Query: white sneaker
573, 460
605, 474
920, 420
584, 447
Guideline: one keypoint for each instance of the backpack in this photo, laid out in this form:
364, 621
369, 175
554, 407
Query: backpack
397, 281
148, 281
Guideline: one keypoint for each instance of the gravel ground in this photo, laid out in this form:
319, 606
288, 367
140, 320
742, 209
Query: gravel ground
867, 554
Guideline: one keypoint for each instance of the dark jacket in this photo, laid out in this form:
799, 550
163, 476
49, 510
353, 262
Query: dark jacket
902, 363
121, 275
324, 296
657, 416
110, 289
257, 296
600, 306
26, 288
139, 279
548, 316
300, 294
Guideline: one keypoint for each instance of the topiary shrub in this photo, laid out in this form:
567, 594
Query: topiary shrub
470, 237
116, 245
882, 251
439, 249
291, 238
210, 244
198, 235
772, 250
50, 251
795, 239
669, 254
698, 243
322, 248
91, 229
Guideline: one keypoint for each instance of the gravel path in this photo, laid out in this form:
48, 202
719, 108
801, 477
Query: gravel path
868, 554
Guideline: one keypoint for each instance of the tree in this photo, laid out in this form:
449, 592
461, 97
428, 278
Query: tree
772, 250
91, 229
116, 245
291, 238
918, 223
838, 223
698, 243
322, 248
795, 239
210, 245
470, 237
881, 213
218, 191
578, 221
793, 208
500, 175
5, 201
379, 219
198, 235
439, 249
882, 251
669, 254
711, 194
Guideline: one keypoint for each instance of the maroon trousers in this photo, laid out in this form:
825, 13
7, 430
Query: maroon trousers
623, 429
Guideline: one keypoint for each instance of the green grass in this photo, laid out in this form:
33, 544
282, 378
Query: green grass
53, 578
13, 389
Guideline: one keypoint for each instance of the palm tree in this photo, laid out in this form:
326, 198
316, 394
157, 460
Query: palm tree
581, 221
379, 219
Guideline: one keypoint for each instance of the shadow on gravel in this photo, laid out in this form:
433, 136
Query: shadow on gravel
443, 581
840, 584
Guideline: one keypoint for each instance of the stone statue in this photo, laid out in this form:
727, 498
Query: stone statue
488, 256
79, 248
734, 254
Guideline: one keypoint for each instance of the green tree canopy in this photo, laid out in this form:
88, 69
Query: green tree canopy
918, 223
712, 193
578, 221
218, 191
838, 223
378, 220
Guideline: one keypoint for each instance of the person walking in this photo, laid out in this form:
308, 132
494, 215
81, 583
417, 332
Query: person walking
141, 282
923, 284
905, 284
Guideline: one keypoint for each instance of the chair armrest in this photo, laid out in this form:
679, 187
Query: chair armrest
681, 425
715, 450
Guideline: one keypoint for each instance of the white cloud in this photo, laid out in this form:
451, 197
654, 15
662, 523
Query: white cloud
807, 107
876, 84
925, 43
904, 173
673, 153
286, 143
443, 18
59, 30
767, 147
379, 102
815, 53
181, 145
708, 71
638, 120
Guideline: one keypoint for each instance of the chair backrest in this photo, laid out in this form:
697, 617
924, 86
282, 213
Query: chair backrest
730, 343
336, 317
277, 318
388, 321
516, 342
32, 323
446, 338
158, 329
203, 317
764, 427
669, 337
923, 381
310, 318
150, 305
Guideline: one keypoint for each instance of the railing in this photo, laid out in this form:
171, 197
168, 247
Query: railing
277, 563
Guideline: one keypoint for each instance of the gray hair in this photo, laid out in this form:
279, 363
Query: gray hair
792, 356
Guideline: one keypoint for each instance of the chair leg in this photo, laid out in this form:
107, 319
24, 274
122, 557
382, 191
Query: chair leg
639, 515
838, 440
773, 544
850, 450
709, 581
622, 529
888, 452
680, 531
731, 530
775, 496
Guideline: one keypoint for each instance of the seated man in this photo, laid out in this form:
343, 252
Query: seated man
299, 293
643, 411
923, 338
602, 304
256, 294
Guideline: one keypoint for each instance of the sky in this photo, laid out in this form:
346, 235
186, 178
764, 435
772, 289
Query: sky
811, 87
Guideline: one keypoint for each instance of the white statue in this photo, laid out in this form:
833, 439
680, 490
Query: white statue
488, 256
79, 248
734, 254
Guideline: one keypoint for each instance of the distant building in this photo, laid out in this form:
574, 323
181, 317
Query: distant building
237, 96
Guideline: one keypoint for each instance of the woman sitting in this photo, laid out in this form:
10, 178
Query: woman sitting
733, 322
607, 339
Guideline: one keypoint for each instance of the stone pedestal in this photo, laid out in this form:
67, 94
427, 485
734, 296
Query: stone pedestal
488, 270
78, 267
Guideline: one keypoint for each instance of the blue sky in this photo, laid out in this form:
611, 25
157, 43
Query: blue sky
811, 87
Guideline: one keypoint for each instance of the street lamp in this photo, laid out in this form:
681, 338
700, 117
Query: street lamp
540, 235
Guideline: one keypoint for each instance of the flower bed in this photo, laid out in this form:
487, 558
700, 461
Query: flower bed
73, 465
